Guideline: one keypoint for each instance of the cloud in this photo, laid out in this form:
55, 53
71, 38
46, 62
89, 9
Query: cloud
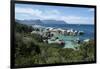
28, 11
91, 9
37, 13
70, 19
53, 14
77, 19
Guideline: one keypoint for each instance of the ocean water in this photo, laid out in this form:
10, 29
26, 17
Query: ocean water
88, 29
69, 40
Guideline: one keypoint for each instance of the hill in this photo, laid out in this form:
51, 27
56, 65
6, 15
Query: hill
41, 22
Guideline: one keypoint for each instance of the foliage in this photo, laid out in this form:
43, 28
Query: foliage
22, 28
30, 49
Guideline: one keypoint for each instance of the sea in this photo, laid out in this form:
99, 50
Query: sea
88, 29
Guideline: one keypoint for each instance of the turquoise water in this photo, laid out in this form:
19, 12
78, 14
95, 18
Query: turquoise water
69, 41
70, 44
66, 38
88, 29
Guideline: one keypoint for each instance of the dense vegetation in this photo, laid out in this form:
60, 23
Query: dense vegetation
30, 49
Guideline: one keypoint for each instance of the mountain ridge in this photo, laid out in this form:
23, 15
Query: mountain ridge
41, 22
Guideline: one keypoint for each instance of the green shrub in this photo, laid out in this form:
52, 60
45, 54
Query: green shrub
30, 49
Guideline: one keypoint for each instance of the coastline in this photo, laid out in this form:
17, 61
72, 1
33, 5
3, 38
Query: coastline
70, 40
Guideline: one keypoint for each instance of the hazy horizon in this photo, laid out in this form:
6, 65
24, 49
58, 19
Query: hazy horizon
71, 15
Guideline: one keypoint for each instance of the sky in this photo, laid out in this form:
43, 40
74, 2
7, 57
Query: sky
71, 15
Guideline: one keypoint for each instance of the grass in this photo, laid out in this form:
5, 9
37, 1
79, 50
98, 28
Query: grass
30, 50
